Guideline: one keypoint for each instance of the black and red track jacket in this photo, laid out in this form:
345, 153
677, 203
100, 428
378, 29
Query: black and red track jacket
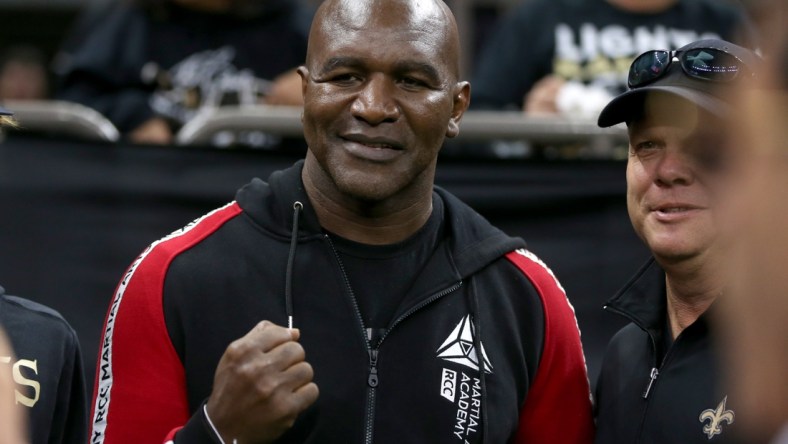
190, 294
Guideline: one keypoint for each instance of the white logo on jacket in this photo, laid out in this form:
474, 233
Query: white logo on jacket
463, 390
459, 347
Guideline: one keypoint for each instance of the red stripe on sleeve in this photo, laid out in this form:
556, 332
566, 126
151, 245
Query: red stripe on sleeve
558, 406
140, 391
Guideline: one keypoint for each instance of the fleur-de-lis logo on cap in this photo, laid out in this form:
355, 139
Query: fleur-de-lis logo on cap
716, 417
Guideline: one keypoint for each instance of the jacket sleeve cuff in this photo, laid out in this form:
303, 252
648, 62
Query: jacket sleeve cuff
197, 430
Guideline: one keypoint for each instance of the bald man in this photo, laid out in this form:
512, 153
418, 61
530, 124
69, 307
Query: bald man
347, 299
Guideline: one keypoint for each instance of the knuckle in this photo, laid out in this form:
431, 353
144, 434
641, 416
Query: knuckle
245, 373
265, 389
235, 350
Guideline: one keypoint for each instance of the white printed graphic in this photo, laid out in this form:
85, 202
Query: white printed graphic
449, 384
459, 347
465, 394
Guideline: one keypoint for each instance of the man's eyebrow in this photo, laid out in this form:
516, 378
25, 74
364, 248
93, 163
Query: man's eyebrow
425, 68
403, 66
339, 62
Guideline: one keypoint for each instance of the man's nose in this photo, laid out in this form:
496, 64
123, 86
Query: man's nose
375, 103
675, 168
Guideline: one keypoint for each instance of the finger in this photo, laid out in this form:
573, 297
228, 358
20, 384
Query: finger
294, 332
305, 396
266, 335
254, 343
297, 376
284, 356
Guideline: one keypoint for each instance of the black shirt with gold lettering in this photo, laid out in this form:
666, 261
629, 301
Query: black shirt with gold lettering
47, 370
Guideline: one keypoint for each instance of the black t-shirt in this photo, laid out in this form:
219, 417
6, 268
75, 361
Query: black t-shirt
381, 275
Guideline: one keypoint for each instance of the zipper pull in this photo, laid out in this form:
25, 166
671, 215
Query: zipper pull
654, 374
372, 380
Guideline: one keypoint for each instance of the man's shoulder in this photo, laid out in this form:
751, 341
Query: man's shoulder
626, 334
193, 233
626, 343
536, 270
35, 316
475, 242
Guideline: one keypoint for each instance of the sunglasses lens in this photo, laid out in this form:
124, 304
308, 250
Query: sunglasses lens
710, 64
648, 67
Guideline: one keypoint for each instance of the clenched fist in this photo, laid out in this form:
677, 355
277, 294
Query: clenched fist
261, 385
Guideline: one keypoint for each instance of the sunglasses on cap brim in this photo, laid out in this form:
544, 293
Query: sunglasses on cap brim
709, 64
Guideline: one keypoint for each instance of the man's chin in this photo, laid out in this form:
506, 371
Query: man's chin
366, 192
671, 253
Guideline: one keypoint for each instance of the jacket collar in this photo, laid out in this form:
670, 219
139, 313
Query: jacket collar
473, 241
643, 299
270, 204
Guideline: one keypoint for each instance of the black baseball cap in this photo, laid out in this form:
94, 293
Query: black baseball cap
703, 86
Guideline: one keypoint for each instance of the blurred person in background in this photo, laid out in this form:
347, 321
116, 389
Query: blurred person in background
23, 74
44, 363
152, 65
571, 57
661, 380
12, 419
755, 316
46, 367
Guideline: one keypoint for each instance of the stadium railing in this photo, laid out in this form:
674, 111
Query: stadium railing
76, 120
476, 126
59, 117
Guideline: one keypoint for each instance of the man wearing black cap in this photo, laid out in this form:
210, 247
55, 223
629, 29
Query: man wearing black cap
45, 365
660, 378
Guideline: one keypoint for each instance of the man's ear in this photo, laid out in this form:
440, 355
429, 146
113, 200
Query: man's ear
461, 100
304, 73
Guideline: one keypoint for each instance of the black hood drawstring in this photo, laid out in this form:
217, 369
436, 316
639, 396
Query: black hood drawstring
297, 207
477, 344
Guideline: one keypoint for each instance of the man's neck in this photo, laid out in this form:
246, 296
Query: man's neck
643, 6
691, 289
371, 223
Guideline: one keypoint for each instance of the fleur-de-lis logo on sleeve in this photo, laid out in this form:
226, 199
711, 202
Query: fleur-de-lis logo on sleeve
716, 417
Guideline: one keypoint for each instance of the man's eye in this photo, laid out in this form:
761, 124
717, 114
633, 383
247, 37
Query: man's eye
344, 79
411, 82
645, 145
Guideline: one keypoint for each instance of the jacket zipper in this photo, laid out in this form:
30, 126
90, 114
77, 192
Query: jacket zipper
372, 383
654, 374
652, 381
653, 377
372, 378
